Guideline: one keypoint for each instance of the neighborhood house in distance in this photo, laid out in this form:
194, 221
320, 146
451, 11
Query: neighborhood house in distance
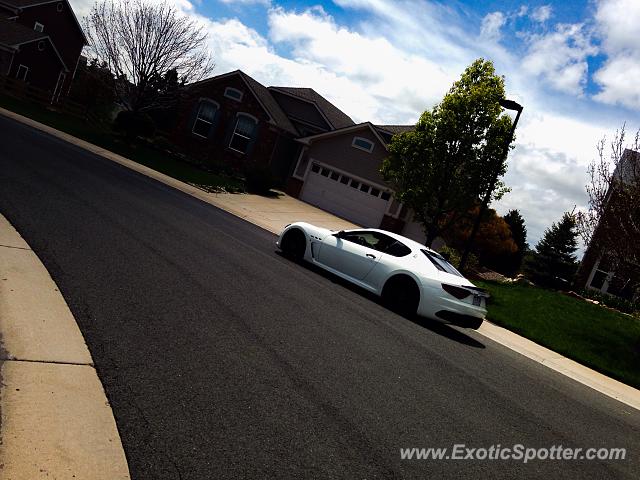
40, 43
597, 271
309, 144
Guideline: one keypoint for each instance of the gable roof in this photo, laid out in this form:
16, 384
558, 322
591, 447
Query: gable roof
342, 131
335, 117
12, 35
21, 4
264, 97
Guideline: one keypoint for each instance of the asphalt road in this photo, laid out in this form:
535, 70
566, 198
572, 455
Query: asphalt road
221, 359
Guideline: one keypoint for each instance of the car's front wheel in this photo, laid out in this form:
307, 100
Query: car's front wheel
401, 295
294, 244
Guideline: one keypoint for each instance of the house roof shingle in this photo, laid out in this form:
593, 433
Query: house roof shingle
333, 114
13, 34
269, 103
25, 3
396, 129
18, 4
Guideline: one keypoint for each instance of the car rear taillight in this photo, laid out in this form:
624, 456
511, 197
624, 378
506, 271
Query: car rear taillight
457, 292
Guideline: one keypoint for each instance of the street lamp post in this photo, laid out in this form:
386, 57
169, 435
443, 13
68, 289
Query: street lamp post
508, 105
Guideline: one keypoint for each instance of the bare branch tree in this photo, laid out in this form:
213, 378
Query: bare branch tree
612, 222
141, 43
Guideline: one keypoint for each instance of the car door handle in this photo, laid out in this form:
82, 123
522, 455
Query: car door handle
371, 255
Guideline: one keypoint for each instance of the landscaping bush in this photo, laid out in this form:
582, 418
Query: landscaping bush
620, 304
259, 179
134, 124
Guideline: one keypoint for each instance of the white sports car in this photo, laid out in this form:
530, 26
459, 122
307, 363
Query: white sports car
409, 277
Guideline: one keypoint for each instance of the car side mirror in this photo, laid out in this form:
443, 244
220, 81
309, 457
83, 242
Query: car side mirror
340, 234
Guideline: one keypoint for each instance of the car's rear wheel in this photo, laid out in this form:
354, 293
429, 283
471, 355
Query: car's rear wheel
401, 295
294, 244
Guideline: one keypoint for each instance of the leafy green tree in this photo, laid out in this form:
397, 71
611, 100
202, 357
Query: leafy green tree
512, 262
442, 167
554, 262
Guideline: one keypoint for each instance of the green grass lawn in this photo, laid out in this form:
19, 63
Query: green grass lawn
103, 136
602, 339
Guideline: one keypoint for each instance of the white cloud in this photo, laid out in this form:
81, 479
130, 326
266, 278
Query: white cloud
542, 14
619, 81
393, 85
491, 25
560, 57
618, 23
246, 2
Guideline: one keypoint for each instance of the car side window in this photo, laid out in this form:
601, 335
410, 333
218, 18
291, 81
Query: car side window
366, 239
377, 241
391, 246
398, 249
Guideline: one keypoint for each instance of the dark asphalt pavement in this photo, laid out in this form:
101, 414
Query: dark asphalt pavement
221, 359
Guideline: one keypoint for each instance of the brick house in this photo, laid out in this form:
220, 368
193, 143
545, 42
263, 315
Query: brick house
234, 119
310, 145
597, 271
40, 43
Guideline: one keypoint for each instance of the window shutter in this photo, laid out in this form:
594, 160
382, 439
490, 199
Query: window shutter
192, 117
254, 138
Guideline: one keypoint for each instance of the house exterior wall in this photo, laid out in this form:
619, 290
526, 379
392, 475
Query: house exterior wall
215, 148
44, 66
61, 28
336, 151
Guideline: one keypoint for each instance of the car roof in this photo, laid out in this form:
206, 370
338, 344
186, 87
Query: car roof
407, 241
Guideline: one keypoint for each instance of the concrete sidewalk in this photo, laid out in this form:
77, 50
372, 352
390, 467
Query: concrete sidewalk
273, 214
55, 418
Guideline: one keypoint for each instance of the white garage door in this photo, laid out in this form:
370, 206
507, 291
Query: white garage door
359, 202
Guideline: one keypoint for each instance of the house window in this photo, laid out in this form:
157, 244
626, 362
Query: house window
22, 73
41, 45
38, 27
233, 94
601, 276
243, 133
362, 144
60, 7
203, 124
315, 168
385, 196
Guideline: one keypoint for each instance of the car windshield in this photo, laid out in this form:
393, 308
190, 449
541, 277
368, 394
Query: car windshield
440, 263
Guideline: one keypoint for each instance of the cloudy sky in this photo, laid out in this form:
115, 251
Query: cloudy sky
573, 64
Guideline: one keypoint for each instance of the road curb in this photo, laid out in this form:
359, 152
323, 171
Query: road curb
55, 420
578, 372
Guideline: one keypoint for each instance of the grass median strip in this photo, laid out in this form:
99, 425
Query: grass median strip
602, 339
